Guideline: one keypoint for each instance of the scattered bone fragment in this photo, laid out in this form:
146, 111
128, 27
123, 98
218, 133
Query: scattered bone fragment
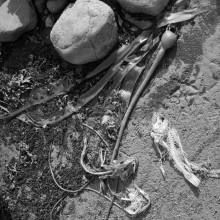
138, 200
214, 173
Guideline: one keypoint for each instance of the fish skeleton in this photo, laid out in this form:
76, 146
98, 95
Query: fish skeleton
177, 154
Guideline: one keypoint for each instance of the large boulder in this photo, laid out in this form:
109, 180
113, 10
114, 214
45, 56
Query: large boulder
151, 7
85, 32
16, 17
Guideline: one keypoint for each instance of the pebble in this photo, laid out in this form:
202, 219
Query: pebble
56, 6
151, 7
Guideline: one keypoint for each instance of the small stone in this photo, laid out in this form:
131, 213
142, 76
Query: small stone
16, 18
85, 32
151, 7
56, 6
215, 69
50, 21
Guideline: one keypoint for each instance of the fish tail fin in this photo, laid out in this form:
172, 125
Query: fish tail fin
192, 178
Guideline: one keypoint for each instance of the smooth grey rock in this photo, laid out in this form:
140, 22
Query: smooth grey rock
56, 6
151, 7
85, 32
16, 17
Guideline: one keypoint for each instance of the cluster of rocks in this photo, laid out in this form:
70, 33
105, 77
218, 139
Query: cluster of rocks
83, 31
20, 16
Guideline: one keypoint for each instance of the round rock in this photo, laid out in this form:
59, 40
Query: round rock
151, 7
85, 32
56, 6
16, 17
